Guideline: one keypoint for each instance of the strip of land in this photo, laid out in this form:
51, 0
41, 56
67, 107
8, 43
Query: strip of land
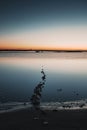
42, 50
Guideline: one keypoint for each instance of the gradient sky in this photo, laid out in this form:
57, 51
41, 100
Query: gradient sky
43, 24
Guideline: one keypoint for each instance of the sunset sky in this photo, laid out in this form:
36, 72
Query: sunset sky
43, 24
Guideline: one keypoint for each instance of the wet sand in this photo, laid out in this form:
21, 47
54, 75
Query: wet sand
57, 120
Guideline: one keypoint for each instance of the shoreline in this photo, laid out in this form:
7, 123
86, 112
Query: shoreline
56, 106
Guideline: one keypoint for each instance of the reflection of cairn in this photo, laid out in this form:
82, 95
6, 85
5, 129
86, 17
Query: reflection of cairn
35, 99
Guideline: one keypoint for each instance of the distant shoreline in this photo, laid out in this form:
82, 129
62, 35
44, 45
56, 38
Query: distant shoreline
37, 51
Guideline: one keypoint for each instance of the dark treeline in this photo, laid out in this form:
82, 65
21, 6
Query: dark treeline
41, 50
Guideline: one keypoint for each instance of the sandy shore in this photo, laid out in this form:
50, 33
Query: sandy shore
57, 120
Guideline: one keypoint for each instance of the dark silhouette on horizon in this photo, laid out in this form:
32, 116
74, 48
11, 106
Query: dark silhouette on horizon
43, 50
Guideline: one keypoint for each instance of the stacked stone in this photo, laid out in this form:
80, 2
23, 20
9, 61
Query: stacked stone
36, 97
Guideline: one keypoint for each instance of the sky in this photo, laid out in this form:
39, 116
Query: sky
43, 24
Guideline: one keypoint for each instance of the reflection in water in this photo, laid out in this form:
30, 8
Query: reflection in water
64, 63
66, 76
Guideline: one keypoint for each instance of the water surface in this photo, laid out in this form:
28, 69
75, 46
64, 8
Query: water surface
66, 76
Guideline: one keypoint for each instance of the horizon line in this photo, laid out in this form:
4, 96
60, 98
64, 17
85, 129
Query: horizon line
56, 50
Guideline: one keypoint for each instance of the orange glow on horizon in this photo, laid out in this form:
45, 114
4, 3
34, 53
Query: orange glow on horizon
56, 38
14, 46
23, 47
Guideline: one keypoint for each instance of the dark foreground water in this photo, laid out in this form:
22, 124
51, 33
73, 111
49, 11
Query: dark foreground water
20, 72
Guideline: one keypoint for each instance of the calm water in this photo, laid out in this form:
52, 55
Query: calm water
66, 76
